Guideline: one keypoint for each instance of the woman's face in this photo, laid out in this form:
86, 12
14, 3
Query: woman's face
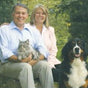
40, 16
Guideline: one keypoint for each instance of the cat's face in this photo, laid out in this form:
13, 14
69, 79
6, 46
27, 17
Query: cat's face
23, 45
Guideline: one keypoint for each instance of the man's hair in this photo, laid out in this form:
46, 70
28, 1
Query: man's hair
21, 5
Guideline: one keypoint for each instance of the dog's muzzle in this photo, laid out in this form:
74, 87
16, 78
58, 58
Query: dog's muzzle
77, 51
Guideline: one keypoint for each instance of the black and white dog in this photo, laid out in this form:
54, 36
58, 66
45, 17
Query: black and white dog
74, 72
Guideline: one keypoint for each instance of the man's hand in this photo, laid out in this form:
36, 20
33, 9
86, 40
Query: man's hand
28, 59
13, 58
32, 62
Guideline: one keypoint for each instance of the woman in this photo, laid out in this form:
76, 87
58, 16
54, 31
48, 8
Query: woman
39, 21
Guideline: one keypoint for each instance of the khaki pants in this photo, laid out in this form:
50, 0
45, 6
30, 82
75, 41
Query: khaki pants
26, 73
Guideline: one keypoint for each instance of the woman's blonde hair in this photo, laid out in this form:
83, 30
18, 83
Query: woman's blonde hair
32, 19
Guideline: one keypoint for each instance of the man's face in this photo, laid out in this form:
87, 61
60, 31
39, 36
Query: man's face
20, 15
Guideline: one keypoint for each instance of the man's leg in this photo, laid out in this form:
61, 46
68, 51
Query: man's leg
21, 71
43, 72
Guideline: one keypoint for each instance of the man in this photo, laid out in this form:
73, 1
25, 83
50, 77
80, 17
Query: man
23, 69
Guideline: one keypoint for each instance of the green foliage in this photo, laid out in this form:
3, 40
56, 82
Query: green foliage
78, 13
78, 17
5, 10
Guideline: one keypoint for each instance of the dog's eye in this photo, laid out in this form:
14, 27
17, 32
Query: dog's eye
79, 42
73, 42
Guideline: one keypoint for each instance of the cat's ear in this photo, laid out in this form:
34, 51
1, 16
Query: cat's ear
27, 41
19, 40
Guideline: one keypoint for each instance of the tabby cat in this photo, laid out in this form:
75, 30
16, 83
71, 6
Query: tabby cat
25, 49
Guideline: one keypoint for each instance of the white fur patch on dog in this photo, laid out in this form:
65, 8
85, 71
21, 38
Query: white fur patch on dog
78, 73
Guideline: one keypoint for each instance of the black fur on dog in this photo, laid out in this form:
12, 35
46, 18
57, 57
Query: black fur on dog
74, 72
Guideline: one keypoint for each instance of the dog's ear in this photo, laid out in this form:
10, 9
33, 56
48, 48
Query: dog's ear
65, 50
85, 50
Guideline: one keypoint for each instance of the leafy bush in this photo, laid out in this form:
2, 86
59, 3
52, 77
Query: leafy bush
5, 10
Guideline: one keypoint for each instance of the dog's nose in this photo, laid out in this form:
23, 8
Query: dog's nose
77, 50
